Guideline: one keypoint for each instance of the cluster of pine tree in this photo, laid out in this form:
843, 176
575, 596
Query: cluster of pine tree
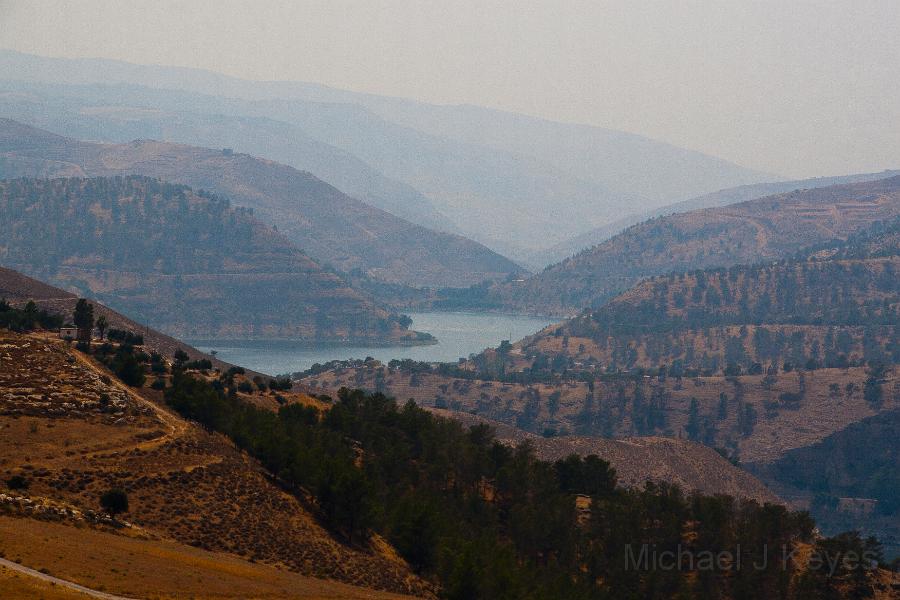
486, 520
27, 318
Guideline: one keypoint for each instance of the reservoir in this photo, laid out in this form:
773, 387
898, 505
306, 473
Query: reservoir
458, 335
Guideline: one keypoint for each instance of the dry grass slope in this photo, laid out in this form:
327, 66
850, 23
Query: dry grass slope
184, 485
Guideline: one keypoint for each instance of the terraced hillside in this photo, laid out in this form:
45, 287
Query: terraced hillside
330, 226
182, 261
835, 304
72, 431
819, 313
765, 229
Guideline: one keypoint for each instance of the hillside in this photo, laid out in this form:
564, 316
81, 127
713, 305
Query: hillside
797, 312
579, 243
368, 493
764, 229
756, 359
849, 479
833, 304
638, 460
18, 290
758, 420
182, 261
330, 226
199, 510
542, 182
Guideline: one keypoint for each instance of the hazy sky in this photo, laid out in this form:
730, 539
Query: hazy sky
797, 88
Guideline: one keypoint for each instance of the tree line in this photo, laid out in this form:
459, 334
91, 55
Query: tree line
485, 520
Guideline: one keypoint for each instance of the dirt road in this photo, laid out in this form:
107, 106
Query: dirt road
60, 582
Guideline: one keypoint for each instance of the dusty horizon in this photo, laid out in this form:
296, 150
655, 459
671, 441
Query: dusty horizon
800, 91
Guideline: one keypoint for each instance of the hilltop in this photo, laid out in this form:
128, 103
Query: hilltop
18, 289
330, 226
765, 229
182, 261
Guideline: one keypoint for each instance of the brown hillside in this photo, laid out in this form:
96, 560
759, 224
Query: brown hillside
764, 229
329, 225
182, 261
18, 289
143, 567
638, 460
623, 407
73, 433
821, 311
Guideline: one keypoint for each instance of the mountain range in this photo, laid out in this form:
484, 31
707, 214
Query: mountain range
723, 375
515, 183
724, 197
327, 224
768, 228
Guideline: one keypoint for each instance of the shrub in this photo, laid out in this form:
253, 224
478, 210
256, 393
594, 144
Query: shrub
114, 501
202, 364
17, 482
281, 383
125, 337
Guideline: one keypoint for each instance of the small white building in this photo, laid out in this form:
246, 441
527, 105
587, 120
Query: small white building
68, 333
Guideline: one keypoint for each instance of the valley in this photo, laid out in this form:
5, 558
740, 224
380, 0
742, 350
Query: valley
490, 313
457, 336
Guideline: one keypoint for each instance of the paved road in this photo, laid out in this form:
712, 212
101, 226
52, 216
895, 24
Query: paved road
60, 582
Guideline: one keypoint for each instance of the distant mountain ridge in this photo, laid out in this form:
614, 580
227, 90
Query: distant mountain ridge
124, 113
515, 183
724, 197
182, 261
767, 228
324, 222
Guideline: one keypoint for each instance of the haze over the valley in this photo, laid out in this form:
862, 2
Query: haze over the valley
462, 300
797, 89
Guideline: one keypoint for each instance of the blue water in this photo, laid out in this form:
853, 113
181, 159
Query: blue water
458, 335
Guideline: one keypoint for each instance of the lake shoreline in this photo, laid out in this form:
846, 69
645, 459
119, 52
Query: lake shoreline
458, 334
